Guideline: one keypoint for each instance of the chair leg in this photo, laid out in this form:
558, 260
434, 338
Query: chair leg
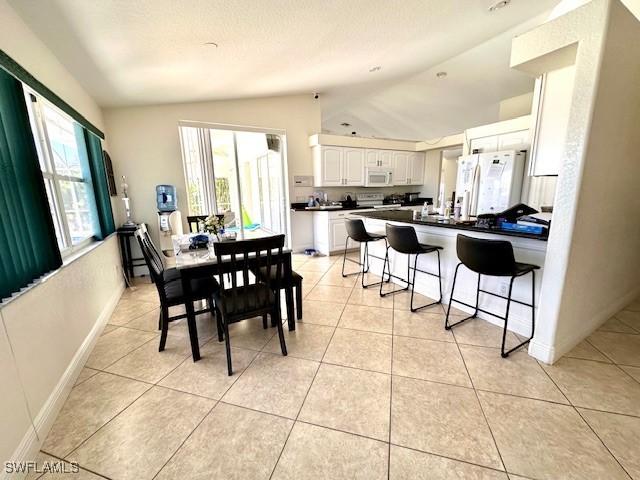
214, 312
344, 255
227, 345
506, 322
299, 301
193, 330
413, 285
164, 326
276, 314
265, 324
291, 321
533, 317
219, 324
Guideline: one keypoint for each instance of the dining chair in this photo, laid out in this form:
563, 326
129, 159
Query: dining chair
170, 290
194, 222
255, 296
290, 281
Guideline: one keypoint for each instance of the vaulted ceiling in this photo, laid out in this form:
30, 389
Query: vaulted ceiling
128, 52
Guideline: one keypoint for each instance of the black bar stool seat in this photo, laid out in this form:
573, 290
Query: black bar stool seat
357, 232
403, 239
493, 258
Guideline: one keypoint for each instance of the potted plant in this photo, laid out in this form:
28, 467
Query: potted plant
213, 225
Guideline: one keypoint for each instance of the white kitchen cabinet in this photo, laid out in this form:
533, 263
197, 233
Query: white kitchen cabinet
330, 231
328, 166
378, 158
338, 166
484, 144
553, 108
400, 168
514, 140
415, 168
353, 166
408, 168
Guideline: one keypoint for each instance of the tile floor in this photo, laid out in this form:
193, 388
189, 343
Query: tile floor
368, 391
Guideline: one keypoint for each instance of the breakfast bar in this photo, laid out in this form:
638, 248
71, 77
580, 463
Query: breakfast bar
431, 230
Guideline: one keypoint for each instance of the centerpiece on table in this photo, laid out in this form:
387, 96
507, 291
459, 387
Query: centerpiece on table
213, 225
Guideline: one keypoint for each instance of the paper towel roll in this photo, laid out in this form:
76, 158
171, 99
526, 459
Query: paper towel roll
465, 205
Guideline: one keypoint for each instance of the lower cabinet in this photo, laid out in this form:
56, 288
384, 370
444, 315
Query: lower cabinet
330, 232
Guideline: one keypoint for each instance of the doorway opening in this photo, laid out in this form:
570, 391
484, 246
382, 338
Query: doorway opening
238, 173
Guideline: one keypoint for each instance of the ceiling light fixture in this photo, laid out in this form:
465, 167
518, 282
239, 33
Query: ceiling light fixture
345, 124
499, 5
211, 44
377, 68
441, 74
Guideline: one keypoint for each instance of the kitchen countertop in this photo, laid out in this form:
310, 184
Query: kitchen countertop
406, 216
359, 207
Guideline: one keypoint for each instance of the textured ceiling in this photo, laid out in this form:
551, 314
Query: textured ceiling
128, 52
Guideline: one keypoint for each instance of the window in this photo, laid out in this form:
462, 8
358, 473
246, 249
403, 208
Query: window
63, 161
238, 173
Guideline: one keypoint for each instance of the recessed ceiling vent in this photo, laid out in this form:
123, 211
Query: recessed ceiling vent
498, 5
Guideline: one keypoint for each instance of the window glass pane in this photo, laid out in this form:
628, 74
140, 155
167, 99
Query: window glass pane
64, 148
77, 201
57, 221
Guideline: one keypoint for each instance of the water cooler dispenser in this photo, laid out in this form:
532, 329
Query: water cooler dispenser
169, 218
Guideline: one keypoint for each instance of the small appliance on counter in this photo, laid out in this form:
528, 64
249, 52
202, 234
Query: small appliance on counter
411, 197
169, 217
348, 200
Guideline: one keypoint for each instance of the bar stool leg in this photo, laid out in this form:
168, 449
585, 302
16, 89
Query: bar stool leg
533, 316
447, 325
344, 256
413, 285
506, 321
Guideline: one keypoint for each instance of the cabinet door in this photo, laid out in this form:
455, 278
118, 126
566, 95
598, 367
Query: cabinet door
372, 158
332, 166
353, 159
400, 168
386, 158
484, 144
337, 234
553, 117
514, 140
416, 169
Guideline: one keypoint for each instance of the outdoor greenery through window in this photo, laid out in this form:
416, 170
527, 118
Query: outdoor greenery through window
63, 160
238, 174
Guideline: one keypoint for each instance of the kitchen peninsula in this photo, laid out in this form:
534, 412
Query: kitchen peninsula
527, 248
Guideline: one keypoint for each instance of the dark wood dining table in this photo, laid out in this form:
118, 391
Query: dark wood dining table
202, 263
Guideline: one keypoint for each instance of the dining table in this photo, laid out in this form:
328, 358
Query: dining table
203, 263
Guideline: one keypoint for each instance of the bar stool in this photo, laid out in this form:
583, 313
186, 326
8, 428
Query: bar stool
492, 258
403, 239
357, 232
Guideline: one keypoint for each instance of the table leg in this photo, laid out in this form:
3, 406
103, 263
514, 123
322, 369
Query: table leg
129, 256
123, 256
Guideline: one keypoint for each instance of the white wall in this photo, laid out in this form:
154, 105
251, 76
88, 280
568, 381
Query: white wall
144, 143
594, 263
515, 106
44, 329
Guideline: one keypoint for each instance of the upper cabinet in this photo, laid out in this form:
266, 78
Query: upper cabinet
338, 166
551, 107
408, 168
346, 166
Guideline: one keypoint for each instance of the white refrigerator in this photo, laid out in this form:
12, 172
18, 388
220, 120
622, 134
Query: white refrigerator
493, 180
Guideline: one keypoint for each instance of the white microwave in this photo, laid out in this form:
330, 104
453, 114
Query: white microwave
376, 177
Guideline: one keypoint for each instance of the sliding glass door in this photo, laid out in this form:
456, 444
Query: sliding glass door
240, 174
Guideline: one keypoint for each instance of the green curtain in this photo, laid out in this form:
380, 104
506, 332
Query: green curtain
28, 246
100, 187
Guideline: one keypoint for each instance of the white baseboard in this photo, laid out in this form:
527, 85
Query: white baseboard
31, 442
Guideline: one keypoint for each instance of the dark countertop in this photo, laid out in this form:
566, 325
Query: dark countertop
304, 209
406, 216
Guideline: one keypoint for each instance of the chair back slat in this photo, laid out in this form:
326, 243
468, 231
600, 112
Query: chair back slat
262, 254
152, 259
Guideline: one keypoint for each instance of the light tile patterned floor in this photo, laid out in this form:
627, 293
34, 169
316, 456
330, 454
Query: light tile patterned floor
369, 390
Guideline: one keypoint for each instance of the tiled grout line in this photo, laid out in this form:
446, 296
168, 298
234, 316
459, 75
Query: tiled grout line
613, 362
344, 306
484, 415
284, 445
587, 423
67, 461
